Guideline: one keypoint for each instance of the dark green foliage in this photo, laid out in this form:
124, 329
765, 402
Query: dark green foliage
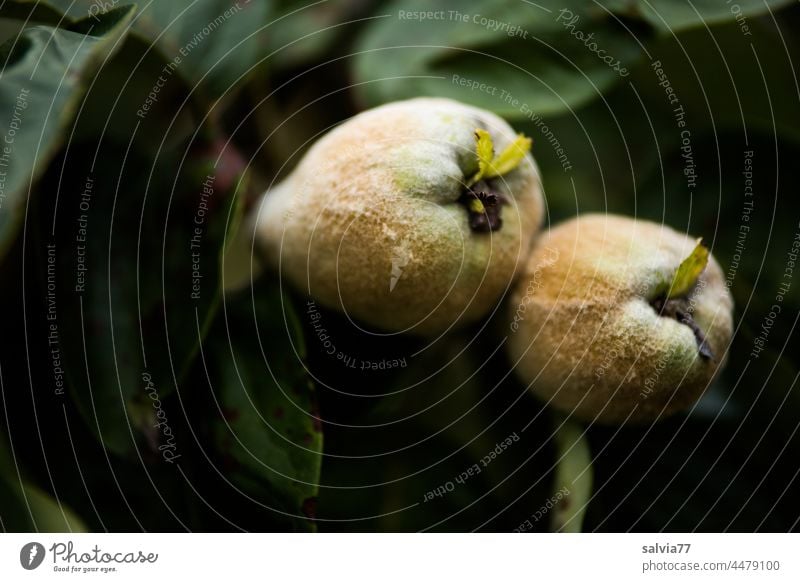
138, 395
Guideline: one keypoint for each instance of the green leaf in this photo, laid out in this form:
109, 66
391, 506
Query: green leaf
669, 15
520, 60
220, 38
49, 515
510, 157
26, 508
573, 479
535, 69
212, 43
266, 427
491, 166
130, 77
485, 149
45, 73
765, 69
306, 31
138, 246
688, 271
32, 11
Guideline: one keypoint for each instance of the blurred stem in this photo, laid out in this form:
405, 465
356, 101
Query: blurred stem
269, 118
574, 477
464, 389
242, 261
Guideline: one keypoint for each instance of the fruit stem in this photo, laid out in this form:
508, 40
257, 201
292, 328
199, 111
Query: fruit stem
678, 309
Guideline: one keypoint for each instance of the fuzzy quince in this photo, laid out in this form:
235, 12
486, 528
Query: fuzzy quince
618, 319
415, 216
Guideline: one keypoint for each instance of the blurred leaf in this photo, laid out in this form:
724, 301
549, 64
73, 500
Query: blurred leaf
119, 101
138, 245
727, 81
518, 60
305, 30
591, 158
574, 475
49, 515
267, 430
218, 40
240, 264
622, 154
44, 75
211, 43
671, 15
523, 55
452, 418
32, 11
26, 508
114, 105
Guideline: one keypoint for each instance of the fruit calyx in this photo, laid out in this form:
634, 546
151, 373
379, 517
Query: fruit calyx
678, 308
484, 206
481, 200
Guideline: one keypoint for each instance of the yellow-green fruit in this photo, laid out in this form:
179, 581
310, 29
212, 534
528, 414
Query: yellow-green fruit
591, 331
373, 221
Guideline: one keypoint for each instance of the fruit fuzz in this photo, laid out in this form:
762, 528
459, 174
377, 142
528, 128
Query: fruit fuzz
397, 219
596, 332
